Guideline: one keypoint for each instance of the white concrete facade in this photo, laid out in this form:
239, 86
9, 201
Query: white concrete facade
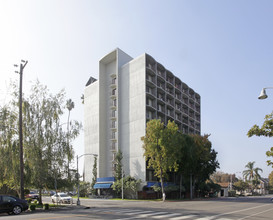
128, 93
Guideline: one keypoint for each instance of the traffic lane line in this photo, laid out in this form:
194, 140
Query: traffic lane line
256, 214
59, 217
241, 210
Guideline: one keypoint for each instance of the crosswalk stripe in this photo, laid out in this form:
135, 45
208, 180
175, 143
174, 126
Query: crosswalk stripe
167, 215
138, 212
154, 214
184, 217
205, 218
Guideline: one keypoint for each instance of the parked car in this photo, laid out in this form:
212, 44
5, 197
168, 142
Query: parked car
62, 198
52, 193
12, 204
32, 195
72, 193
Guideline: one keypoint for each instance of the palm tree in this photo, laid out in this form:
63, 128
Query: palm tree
252, 173
69, 105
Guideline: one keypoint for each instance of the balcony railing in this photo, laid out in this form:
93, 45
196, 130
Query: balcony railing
150, 66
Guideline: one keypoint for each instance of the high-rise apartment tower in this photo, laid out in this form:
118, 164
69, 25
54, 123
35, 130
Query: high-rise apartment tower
129, 92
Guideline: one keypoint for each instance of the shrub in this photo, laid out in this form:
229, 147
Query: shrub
232, 193
26, 191
29, 200
46, 206
32, 207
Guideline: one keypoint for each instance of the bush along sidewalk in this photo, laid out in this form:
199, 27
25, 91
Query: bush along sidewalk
46, 206
32, 207
35, 206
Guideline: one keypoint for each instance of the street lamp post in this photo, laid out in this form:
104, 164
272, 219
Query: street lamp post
122, 192
78, 157
263, 94
22, 66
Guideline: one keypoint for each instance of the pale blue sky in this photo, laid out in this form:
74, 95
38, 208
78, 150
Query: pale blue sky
222, 49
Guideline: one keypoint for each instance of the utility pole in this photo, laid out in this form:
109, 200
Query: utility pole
22, 66
122, 193
78, 181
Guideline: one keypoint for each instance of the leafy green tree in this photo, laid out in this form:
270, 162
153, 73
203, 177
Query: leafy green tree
184, 158
209, 188
69, 105
200, 160
118, 165
205, 161
84, 188
221, 177
94, 176
270, 177
269, 153
160, 148
240, 185
265, 130
45, 141
118, 172
130, 186
9, 149
252, 174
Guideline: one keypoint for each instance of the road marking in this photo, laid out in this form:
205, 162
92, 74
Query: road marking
167, 215
184, 217
227, 213
137, 212
256, 214
152, 214
59, 217
205, 218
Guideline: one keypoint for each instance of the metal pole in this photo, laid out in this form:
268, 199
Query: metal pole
122, 183
78, 201
21, 132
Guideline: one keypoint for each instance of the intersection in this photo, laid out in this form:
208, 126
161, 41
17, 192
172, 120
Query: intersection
251, 208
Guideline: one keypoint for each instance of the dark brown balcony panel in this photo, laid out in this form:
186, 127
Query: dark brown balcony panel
178, 84
150, 91
185, 88
150, 62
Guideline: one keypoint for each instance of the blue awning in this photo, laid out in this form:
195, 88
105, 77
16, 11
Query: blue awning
105, 179
102, 185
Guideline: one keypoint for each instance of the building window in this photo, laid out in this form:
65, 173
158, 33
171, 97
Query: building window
149, 115
113, 146
160, 108
114, 102
113, 113
114, 91
113, 135
149, 102
113, 124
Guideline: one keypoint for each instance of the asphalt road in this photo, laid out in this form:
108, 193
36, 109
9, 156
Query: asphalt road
251, 208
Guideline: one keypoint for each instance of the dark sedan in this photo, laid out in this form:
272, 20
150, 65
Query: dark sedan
12, 204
